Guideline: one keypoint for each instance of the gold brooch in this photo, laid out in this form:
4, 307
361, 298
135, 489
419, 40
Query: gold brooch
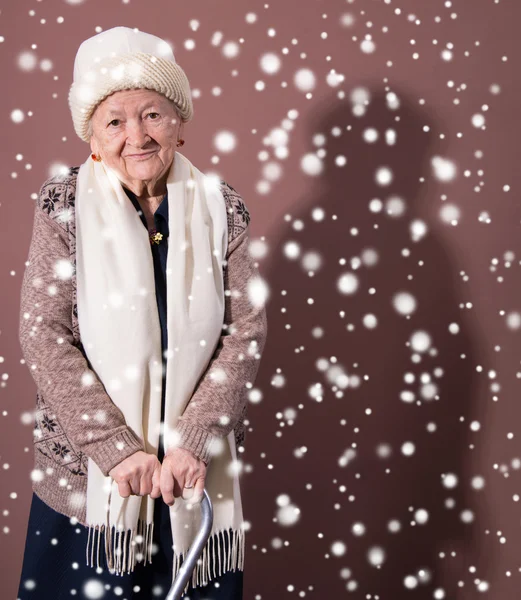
155, 236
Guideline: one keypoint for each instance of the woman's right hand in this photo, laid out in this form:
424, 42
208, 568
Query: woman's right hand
139, 474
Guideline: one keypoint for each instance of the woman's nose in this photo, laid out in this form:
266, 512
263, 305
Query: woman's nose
137, 133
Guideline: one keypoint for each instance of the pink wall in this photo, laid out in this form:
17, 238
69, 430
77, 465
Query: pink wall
464, 273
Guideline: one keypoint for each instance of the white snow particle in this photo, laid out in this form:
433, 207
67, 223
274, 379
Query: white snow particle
383, 176
304, 80
347, 283
410, 582
270, 63
311, 165
225, 141
338, 548
376, 556
443, 168
450, 481
404, 303
408, 448
17, 116
93, 588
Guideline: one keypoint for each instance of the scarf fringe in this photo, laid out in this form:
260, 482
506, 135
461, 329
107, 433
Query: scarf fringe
123, 549
205, 569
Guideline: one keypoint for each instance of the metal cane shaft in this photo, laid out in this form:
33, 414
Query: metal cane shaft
189, 563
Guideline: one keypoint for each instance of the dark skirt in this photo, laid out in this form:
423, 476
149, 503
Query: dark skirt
54, 564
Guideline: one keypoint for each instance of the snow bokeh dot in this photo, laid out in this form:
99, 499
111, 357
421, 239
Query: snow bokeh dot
305, 80
376, 556
450, 480
27, 61
368, 46
408, 448
395, 206
288, 514
93, 589
384, 176
443, 169
420, 341
338, 548
270, 63
450, 213
410, 582
311, 165
348, 283
225, 141
291, 250
404, 303
17, 115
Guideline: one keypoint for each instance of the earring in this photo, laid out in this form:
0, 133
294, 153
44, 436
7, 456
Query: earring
96, 157
180, 142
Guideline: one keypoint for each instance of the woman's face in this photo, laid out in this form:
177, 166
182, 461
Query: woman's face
135, 133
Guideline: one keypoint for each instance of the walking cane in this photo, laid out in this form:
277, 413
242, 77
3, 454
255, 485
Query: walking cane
186, 569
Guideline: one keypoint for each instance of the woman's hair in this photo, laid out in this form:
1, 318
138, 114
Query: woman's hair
176, 110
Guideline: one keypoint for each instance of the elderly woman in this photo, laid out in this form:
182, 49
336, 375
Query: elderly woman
142, 324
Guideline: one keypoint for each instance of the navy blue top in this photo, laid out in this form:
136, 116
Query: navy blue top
159, 256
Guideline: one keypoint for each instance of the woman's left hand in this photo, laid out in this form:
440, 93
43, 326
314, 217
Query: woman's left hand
179, 469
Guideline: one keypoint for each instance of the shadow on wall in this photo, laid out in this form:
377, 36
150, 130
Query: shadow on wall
415, 395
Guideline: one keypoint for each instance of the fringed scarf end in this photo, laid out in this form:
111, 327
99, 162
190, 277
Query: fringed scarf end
122, 548
224, 551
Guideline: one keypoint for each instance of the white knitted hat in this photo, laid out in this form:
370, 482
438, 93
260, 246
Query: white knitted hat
120, 59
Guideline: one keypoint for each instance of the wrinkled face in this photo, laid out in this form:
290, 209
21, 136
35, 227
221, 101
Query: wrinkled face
135, 133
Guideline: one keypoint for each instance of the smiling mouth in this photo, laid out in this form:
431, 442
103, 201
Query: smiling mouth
144, 155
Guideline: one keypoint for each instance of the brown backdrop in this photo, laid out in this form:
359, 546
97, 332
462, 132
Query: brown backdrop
407, 454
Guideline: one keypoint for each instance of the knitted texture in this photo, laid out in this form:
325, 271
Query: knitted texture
131, 71
52, 347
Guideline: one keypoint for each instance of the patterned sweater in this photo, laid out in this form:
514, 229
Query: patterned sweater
51, 345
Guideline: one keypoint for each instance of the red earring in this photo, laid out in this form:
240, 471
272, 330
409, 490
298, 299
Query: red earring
95, 157
180, 142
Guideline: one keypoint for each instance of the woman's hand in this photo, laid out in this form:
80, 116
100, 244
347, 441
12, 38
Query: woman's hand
181, 468
139, 475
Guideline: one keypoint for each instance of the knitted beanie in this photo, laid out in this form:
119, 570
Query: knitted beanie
121, 59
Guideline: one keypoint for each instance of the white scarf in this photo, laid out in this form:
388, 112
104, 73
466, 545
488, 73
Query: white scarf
121, 335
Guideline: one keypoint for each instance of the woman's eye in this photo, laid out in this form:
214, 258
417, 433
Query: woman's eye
116, 122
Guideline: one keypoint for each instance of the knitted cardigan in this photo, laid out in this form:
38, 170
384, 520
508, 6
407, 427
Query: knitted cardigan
64, 436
